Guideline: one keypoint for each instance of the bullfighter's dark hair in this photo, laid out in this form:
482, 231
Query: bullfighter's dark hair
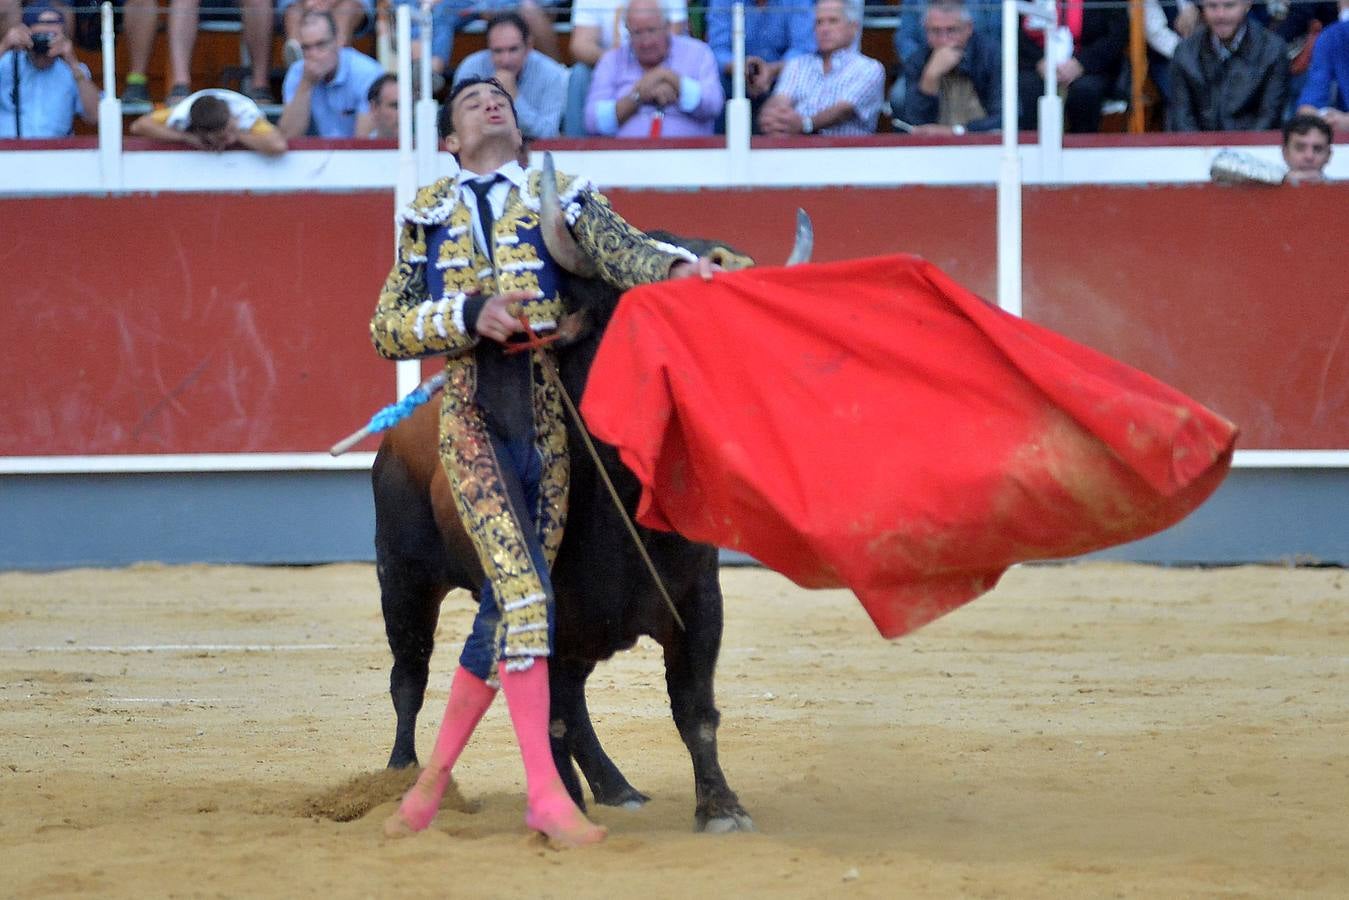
445, 120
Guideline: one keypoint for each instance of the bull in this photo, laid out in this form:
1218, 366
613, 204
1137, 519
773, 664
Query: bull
606, 597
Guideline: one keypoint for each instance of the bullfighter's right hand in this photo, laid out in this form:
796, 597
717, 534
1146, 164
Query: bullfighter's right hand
498, 317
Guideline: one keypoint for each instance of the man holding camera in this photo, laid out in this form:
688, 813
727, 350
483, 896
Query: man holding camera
42, 85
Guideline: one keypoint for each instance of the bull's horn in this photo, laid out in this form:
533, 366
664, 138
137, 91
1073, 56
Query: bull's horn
556, 237
805, 240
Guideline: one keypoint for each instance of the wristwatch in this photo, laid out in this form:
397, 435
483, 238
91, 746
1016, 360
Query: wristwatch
807, 125
636, 98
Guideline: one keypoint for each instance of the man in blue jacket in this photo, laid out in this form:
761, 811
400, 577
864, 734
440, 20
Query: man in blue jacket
954, 84
1326, 93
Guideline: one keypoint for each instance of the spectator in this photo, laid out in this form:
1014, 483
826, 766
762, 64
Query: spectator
1299, 23
1165, 26
382, 123
911, 40
536, 83
658, 84
1306, 148
540, 22
598, 26
955, 82
142, 22
213, 119
327, 92
11, 14
1095, 37
775, 31
1230, 75
835, 90
42, 84
1328, 75
351, 18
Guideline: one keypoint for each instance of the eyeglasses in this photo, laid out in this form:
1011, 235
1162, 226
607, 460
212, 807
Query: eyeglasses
317, 45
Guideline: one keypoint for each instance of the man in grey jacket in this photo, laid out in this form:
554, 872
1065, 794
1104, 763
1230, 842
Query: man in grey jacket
1229, 75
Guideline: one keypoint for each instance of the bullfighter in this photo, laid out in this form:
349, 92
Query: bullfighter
475, 261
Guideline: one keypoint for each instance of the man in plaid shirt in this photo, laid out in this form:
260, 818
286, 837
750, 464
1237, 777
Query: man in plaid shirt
835, 90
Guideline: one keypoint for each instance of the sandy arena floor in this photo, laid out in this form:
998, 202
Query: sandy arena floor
1092, 730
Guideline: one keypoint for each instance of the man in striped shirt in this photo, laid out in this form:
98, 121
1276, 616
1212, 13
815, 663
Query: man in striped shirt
835, 90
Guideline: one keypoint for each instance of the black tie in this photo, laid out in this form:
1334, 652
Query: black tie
485, 218
503, 388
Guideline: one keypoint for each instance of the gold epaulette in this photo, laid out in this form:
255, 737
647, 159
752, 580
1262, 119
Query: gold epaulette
431, 205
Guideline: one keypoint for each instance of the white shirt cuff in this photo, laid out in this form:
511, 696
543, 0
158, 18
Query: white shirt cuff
606, 116
690, 94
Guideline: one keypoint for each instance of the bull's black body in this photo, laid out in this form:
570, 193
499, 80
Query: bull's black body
606, 599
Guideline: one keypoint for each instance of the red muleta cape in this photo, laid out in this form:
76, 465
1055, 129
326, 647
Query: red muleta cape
874, 425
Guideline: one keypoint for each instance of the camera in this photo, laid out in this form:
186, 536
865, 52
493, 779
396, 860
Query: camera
42, 43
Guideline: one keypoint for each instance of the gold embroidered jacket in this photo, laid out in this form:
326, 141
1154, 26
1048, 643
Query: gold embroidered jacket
421, 310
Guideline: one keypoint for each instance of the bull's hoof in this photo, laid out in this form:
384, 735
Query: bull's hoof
723, 822
627, 797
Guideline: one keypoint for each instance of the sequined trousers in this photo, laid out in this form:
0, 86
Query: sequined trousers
510, 490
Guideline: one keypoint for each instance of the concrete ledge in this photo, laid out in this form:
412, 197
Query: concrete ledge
298, 518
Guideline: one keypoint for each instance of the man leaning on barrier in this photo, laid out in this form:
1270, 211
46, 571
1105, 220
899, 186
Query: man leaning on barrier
214, 119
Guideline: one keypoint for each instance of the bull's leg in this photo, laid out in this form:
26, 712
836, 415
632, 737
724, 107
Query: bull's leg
410, 560
690, 662
411, 610
574, 737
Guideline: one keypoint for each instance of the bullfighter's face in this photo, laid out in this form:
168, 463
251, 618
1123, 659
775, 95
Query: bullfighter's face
481, 114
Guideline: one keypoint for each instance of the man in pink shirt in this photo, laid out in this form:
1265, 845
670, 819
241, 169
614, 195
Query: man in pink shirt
656, 85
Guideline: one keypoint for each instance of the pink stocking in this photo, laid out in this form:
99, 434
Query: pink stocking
550, 807
469, 699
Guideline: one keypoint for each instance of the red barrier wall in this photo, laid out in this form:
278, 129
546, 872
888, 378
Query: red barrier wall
186, 323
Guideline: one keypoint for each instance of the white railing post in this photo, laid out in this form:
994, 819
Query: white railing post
1051, 107
1009, 173
109, 111
405, 188
428, 142
738, 106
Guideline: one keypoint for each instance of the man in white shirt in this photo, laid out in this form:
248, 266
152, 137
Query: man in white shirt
834, 91
213, 119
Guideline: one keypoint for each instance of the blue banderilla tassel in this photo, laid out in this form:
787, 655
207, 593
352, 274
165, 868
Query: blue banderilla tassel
392, 414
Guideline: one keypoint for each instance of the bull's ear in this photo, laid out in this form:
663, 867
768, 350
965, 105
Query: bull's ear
574, 326
728, 259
